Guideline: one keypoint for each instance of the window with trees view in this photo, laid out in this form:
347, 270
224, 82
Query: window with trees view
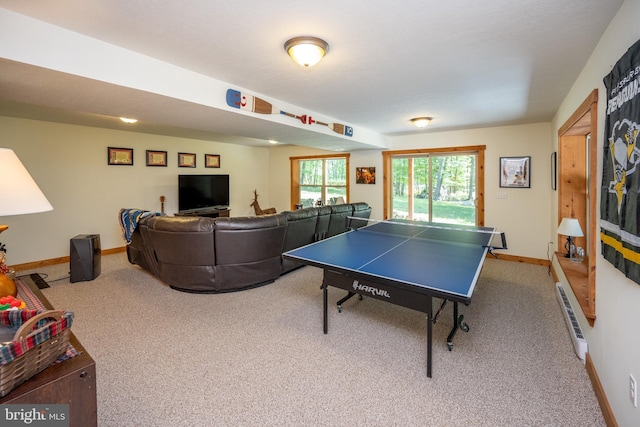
440, 185
319, 180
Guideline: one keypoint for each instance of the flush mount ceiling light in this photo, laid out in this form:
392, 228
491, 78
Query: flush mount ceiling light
421, 122
306, 50
128, 120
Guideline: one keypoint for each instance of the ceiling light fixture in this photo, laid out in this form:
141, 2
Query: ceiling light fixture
421, 122
128, 121
306, 50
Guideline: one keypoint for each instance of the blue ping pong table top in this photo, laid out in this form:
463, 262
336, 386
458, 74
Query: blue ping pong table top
443, 258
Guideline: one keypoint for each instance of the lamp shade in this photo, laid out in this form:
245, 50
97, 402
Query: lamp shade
19, 193
570, 227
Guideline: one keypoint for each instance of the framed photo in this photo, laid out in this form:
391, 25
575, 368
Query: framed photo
211, 160
515, 172
156, 158
366, 175
120, 156
186, 160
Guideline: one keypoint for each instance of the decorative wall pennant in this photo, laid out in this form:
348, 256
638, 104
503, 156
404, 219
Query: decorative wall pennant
243, 101
620, 200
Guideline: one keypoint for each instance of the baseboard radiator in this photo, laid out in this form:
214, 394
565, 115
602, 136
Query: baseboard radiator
579, 343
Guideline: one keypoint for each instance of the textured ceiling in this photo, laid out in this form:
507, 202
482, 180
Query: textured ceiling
465, 63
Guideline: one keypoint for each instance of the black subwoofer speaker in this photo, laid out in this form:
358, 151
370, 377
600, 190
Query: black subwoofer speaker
85, 257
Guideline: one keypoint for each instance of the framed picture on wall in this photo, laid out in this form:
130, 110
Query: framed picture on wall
186, 160
211, 160
515, 172
156, 158
366, 175
120, 156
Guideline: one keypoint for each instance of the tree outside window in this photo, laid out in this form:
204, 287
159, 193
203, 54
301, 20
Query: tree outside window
439, 184
319, 180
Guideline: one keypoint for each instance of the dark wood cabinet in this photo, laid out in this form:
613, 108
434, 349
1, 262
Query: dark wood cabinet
209, 213
71, 382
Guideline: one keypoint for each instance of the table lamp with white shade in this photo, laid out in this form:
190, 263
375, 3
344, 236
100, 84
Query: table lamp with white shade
570, 227
19, 194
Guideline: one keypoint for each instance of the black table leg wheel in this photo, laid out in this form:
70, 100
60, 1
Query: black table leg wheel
360, 297
339, 309
464, 327
450, 346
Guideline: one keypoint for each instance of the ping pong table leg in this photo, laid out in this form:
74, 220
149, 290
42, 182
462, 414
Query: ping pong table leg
429, 333
343, 300
458, 322
325, 298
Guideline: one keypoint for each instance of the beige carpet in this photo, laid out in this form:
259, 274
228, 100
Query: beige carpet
259, 357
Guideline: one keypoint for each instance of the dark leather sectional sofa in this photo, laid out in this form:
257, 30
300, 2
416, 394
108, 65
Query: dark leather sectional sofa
209, 255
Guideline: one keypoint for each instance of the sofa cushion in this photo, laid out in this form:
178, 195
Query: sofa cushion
182, 240
248, 250
322, 226
338, 220
183, 248
301, 228
248, 239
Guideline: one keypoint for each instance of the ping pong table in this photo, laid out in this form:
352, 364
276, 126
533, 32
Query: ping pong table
407, 263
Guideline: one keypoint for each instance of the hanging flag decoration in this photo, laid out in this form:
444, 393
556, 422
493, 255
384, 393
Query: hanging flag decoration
246, 102
620, 190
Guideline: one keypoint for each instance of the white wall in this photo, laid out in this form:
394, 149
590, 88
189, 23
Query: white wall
614, 341
370, 193
69, 163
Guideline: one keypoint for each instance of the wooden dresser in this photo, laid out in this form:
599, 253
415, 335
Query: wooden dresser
71, 382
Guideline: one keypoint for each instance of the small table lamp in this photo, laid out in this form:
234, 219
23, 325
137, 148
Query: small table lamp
19, 194
570, 227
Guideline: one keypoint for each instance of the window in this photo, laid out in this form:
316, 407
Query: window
319, 180
441, 185
577, 186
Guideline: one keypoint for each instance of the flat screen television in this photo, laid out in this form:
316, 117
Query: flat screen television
202, 191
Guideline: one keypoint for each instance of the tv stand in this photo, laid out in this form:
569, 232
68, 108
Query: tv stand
206, 212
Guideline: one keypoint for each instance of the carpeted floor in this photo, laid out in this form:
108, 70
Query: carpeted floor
259, 357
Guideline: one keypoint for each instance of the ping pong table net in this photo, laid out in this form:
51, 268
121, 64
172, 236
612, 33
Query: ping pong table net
465, 234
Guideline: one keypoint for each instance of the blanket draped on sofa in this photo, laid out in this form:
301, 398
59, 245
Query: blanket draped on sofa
129, 219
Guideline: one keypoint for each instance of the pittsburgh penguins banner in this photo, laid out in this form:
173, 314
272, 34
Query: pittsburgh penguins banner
620, 201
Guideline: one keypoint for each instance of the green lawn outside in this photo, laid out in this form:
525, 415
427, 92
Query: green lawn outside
455, 212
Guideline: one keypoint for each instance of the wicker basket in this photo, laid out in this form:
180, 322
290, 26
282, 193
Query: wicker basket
35, 350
